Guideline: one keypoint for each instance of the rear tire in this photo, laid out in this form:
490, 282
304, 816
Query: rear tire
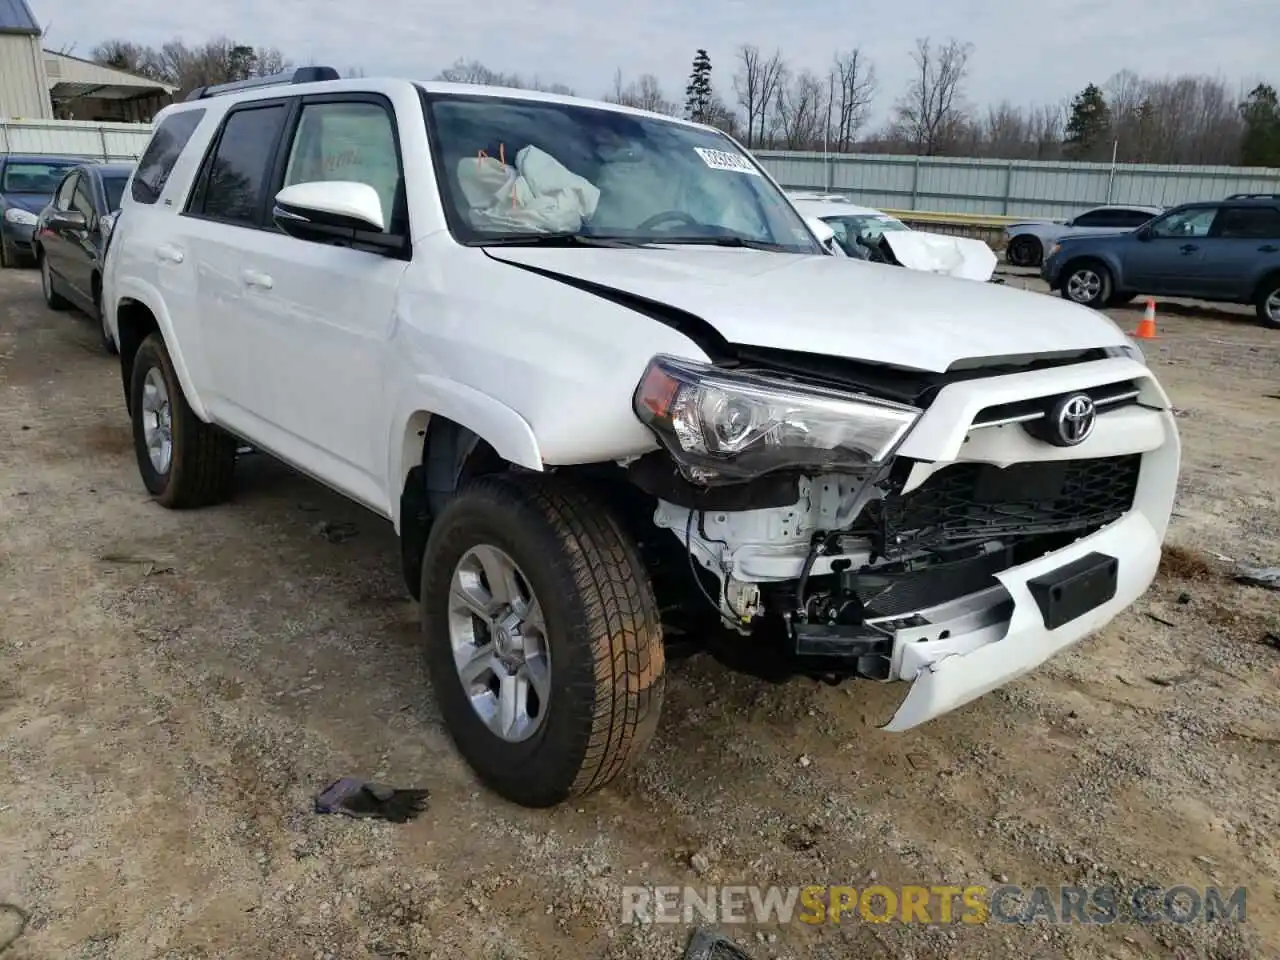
1024, 252
53, 300
1269, 303
600, 637
184, 461
1087, 283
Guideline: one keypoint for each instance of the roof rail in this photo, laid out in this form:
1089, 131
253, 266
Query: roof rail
300, 75
1254, 196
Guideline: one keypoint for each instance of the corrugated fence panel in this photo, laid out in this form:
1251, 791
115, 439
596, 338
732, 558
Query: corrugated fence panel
1009, 188
73, 138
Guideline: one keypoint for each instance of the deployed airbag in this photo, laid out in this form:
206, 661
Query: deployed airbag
537, 194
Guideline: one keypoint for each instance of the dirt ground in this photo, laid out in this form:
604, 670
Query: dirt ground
174, 687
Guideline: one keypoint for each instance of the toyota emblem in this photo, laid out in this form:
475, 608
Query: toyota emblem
1072, 420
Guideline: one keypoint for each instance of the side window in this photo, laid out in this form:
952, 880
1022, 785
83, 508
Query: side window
1185, 223
66, 191
239, 169
1094, 218
1132, 218
162, 153
1250, 223
352, 140
82, 199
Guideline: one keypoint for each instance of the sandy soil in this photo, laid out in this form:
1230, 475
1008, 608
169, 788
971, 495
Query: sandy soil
174, 688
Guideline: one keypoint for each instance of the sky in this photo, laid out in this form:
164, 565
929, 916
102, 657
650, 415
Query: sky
1025, 52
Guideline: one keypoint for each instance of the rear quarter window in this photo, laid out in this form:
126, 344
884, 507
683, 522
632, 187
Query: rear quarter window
166, 146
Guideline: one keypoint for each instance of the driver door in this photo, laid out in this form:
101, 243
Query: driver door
1169, 258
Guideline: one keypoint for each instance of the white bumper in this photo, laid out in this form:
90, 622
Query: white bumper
985, 646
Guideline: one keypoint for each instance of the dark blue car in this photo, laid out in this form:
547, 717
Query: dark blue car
1224, 250
27, 184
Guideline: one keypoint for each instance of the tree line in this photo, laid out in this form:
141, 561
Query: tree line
768, 102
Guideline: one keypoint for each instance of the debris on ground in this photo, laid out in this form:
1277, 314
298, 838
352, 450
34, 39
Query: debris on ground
13, 921
364, 799
705, 945
336, 532
1182, 564
1267, 577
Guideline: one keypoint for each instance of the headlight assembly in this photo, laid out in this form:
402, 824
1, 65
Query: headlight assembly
722, 426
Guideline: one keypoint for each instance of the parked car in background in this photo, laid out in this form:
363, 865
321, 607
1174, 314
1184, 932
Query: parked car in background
1227, 250
71, 238
1025, 243
27, 184
865, 233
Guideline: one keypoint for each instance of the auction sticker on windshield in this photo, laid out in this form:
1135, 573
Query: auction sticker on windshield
724, 160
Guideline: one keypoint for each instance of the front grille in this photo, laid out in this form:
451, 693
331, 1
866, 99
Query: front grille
976, 502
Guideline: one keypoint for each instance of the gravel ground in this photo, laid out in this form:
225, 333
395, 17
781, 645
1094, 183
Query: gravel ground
176, 686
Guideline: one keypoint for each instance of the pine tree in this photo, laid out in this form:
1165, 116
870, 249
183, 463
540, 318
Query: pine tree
1089, 125
698, 94
1260, 146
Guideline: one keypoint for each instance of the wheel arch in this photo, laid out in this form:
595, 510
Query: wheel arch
137, 312
1264, 283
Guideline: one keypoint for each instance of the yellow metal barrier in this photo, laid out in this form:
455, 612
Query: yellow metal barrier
958, 219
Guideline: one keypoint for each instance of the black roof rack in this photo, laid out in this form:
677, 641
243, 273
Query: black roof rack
300, 75
1254, 196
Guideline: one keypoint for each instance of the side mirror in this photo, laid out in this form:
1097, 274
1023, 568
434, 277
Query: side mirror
821, 230
330, 210
1069, 223
68, 220
1143, 234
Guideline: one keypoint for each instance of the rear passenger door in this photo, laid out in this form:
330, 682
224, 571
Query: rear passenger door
308, 323
1244, 247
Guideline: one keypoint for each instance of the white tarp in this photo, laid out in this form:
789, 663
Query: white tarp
962, 257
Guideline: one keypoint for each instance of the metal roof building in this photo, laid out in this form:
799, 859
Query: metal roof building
24, 85
39, 84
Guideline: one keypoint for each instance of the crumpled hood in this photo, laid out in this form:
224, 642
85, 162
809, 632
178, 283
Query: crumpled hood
31, 202
834, 306
962, 257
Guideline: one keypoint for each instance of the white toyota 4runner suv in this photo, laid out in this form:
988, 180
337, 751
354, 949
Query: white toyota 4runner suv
614, 393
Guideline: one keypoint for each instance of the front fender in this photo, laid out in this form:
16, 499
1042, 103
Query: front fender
131, 288
510, 435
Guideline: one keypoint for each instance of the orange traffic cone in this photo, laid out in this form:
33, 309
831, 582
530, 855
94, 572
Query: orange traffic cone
1147, 325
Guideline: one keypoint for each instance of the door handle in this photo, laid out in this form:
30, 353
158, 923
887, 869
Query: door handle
1268, 248
168, 253
253, 278
1188, 248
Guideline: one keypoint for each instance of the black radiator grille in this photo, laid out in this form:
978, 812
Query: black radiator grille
972, 502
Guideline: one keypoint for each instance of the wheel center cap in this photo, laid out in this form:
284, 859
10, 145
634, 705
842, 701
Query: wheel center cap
507, 639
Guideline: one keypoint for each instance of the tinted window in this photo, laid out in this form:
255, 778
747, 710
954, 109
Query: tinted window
66, 191
82, 199
1132, 218
113, 187
1094, 218
33, 176
1185, 223
162, 153
347, 141
240, 167
1262, 223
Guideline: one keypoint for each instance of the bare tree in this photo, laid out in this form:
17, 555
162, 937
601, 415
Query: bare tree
220, 60
747, 84
802, 110
855, 89
473, 71
773, 76
643, 94
931, 112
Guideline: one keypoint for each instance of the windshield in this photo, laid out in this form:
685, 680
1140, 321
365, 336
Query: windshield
32, 176
114, 189
516, 169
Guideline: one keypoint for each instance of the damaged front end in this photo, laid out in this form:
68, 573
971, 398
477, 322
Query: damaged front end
878, 538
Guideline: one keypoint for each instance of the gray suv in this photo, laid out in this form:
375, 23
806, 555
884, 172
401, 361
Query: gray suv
1225, 250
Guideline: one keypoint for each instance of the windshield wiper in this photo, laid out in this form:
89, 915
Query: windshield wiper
560, 240
723, 241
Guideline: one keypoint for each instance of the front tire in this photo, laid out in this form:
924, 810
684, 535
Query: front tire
1087, 283
542, 638
1269, 304
184, 461
1024, 252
